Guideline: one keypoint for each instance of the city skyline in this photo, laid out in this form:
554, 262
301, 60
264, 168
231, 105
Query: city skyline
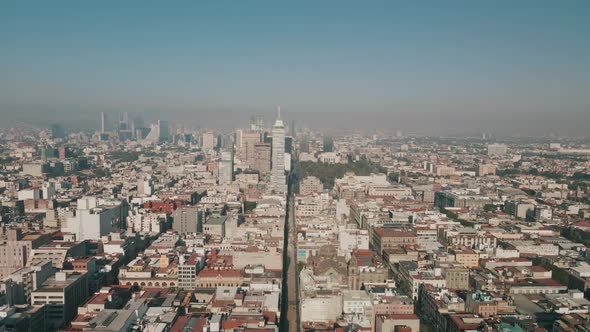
399, 62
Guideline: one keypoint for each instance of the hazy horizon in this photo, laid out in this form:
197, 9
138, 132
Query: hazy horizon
462, 67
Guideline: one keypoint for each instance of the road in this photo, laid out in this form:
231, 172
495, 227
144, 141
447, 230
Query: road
290, 295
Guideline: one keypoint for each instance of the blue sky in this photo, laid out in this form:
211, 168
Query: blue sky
386, 56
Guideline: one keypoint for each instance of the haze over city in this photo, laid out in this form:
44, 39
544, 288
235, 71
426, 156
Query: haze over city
420, 66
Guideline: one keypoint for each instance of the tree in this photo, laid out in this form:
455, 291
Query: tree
489, 207
249, 206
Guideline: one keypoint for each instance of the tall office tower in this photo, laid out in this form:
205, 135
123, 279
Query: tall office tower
103, 120
288, 144
304, 145
163, 131
226, 142
225, 168
208, 142
57, 131
154, 134
238, 140
497, 149
292, 128
328, 144
262, 163
248, 150
257, 123
126, 119
277, 177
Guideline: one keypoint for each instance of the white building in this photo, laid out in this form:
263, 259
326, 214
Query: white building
278, 181
225, 168
355, 302
321, 308
92, 221
353, 239
29, 194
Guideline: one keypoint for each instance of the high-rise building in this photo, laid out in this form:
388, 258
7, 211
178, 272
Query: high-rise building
248, 149
262, 162
163, 131
288, 144
257, 123
57, 131
328, 144
103, 120
277, 177
304, 145
126, 119
154, 134
16, 251
208, 142
225, 168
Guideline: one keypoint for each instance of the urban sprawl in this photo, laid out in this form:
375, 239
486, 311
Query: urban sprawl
160, 227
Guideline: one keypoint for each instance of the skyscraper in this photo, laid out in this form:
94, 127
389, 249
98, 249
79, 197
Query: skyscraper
225, 168
208, 142
163, 131
277, 177
103, 119
328, 144
262, 163
248, 148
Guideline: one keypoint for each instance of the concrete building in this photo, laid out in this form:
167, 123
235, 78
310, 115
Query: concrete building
309, 185
321, 308
497, 150
19, 285
457, 277
35, 169
365, 268
247, 149
356, 302
519, 209
15, 253
225, 168
387, 238
215, 226
185, 220
262, 161
145, 187
208, 142
187, 271
486, 169
61, 295
91, 220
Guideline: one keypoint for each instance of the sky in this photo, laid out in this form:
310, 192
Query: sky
438, 66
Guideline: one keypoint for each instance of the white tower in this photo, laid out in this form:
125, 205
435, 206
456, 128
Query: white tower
278, 181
